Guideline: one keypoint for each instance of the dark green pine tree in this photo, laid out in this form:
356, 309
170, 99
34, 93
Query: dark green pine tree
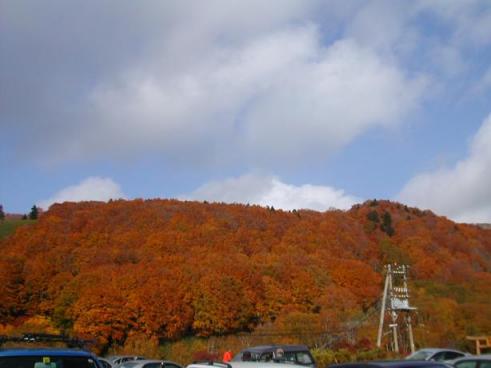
387, 224
2, 214
33, 215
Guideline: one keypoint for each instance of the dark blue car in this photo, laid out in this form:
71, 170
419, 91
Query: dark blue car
47, 358
75, 356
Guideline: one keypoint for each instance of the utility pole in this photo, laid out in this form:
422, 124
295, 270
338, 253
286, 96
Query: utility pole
396, 307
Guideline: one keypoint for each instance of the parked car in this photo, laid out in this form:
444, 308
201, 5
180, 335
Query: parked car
208, 364
296, 354
117, 360
473, 361
392, 364
439, 355
47, 358
104, 362
149, 363
239, 364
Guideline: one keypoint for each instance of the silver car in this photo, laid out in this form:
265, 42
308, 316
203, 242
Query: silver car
438, 355
118, 360
150, 363
474, 361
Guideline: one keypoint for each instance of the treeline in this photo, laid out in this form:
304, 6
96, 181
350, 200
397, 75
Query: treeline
166, 270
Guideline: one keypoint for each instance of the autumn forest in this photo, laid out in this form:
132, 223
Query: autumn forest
168, 270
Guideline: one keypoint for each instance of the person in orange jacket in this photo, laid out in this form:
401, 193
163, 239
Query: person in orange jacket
227, 356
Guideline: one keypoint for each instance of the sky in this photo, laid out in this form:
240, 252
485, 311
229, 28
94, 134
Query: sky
284, 103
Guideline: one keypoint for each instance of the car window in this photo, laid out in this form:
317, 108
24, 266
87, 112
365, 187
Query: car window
304, 357
168, 365
266, 357
104, 364
450, 355
466, 364
152, 365
439, 356
129, 364
301, 357
484, 364
419, 355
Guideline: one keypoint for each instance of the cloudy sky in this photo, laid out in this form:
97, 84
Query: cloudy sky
290, 103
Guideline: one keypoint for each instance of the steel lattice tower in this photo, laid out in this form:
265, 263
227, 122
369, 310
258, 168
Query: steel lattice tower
396, 308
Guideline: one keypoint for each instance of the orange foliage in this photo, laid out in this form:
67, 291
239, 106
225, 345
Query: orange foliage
126, 271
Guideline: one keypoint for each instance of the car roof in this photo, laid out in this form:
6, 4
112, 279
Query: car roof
208, 364
474, 357
155, 361
437, 350
262, 348
262, 364
45, 351
239, 365
145, 361
392, 363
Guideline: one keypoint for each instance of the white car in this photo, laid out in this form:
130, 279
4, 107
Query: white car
150, 363
234, 364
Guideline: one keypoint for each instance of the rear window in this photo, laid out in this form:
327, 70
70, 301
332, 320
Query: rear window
47, 362
450, 355
419, 355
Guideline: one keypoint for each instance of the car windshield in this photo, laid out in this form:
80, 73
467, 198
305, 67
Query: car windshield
129, 364
47, 362
419, 355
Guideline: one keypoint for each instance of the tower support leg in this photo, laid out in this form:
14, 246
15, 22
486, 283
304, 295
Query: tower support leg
410, 332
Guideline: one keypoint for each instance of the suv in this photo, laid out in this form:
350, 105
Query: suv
45, 357
294, 354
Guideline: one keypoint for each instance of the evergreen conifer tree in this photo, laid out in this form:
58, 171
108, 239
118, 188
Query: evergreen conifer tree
33, 215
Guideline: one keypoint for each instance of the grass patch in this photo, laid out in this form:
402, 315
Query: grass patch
8, 227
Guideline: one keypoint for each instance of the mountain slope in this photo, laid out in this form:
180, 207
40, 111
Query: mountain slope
168, 269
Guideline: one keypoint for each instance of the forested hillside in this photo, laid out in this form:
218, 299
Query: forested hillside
167, 269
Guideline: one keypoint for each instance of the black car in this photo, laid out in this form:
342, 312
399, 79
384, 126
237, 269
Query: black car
297, 354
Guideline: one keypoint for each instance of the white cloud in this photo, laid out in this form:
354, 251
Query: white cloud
270, 191
90, 189
281, 95
462, 192
252, 83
